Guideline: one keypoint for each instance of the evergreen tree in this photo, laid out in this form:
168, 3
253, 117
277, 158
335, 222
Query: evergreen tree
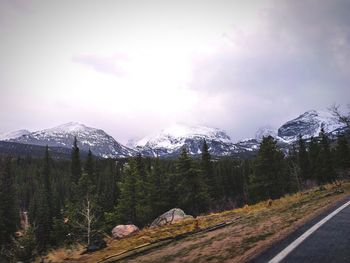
86, 187
327, 173
9, 211
207, 170
294, 172
46, 181
126, 207
106, 194
90, 167
269, 178
142, 206
314, 157
75, 162
157, 190
342, 153
43, 217
43, 225
303, 160
193, 192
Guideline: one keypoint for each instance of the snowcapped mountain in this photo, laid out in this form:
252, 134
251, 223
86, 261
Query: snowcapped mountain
100, 143
13, 135
264, 132
170, 141
309, 124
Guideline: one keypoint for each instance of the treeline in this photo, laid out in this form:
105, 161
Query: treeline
70, 201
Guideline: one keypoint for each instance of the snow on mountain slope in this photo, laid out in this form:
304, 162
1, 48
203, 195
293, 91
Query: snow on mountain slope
264, 132
171, 140
309, 125
13, 135
100, 143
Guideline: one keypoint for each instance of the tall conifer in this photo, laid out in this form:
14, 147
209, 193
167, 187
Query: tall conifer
75, 162
9, 210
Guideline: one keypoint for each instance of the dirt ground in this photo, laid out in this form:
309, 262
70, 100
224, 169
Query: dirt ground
253, 229
240, 241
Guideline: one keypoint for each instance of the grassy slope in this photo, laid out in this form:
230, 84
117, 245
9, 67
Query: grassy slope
253, 228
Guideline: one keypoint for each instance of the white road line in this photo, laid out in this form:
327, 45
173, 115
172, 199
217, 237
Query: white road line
280, 256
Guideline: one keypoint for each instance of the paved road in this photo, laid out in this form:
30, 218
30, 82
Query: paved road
329, 243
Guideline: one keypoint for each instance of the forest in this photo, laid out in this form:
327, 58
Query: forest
48, 203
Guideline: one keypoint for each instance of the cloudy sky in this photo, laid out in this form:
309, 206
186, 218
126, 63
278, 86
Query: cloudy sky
134, 67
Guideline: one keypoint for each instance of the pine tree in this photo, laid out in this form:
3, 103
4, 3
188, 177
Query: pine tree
90, 167
46, 181
75, 162
86, 187
342, 153
42, 222
126, 207
207, 170
293, 161
314, 157
303, 160
106, 193
142, 205
9, 211
193, 192
269, 178
157, 190
327, 173
43, 218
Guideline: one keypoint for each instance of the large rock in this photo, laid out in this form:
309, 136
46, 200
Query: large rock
170, 217
121, 231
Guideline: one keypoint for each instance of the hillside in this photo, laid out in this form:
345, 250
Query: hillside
35, 151
243, 233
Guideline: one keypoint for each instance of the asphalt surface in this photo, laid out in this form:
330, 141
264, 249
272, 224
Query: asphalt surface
329, 243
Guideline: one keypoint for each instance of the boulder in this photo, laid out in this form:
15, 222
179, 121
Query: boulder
96, 244
170, 217
121, 231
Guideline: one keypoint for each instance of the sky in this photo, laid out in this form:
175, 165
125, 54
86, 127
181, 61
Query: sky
134, 67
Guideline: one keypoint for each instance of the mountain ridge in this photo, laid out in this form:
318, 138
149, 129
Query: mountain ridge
169, 142
99, 142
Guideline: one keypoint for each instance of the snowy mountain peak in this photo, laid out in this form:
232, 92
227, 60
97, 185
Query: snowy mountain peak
181, 130
70, 127
13, 135
100, 143
171, 140
264, 132
309, 124
178, 132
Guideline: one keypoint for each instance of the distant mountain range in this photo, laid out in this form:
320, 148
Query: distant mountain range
100, 143
168, 142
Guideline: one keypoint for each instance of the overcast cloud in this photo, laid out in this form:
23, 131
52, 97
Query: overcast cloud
133, 67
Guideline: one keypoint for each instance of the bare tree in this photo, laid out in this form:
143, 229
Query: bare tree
342, 117
89, 219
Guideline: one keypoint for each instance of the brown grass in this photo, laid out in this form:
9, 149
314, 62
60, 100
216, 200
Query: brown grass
253, 229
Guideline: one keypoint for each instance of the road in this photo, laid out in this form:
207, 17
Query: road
328, 242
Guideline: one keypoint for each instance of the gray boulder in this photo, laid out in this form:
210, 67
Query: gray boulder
121, 231
173, 215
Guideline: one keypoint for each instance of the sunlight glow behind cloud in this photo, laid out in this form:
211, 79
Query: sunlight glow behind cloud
132, 67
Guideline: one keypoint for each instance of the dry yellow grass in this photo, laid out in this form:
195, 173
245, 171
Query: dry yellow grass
253, 228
